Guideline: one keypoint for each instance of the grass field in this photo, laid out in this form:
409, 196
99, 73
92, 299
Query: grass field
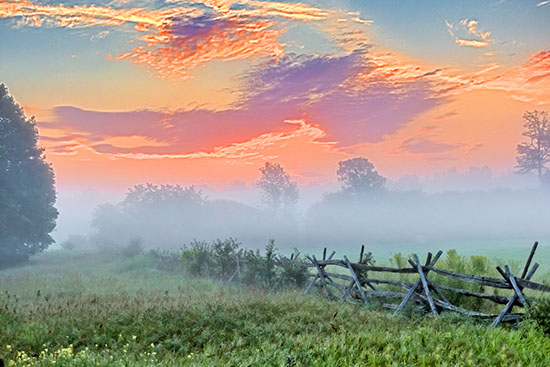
90, 310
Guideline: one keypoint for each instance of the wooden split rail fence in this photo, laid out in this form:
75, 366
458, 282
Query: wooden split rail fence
361, 285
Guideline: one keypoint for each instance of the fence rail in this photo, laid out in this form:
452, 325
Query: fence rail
360, 285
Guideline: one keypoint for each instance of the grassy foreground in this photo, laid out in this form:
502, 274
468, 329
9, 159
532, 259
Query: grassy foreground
86, 310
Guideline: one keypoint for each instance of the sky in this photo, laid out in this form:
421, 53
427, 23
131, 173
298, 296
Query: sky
206, 91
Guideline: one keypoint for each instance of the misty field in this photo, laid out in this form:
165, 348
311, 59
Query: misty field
89, 310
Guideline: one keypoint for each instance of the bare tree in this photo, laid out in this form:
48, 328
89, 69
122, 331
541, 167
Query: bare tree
279, 192
534, 155
357, 176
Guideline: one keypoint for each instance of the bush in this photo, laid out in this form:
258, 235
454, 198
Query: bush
539, 312
479, 265
165, 260
291, 274
218, 260
197, 258
68, 245
75, 242
224, 256
133, 248
260, 270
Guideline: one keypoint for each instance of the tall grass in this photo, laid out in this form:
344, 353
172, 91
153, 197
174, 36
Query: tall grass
106, 311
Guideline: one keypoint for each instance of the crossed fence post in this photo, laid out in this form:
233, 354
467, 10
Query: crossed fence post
518, 291
356, 281
430, 262
423, 288
321, 275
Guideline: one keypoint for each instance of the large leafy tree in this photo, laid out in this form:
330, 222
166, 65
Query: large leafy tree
27, 187
534, 155
159, 214
357, 176
279, 192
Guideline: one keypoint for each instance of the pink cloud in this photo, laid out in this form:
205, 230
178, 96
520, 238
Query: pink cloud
319, 89
189, 42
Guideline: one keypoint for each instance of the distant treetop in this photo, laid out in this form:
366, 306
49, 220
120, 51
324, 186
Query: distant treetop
534, 154
279, 192
357, 176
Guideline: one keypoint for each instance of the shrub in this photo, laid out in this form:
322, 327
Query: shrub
479, 265
133, 248
224, 256
539, 312
68, 245
197, 258
165, 260
219, 260
368, 259
260, 270
291, 274
75, 242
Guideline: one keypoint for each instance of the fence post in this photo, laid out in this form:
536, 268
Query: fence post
425, 285
356, 280
416, 285
512, 299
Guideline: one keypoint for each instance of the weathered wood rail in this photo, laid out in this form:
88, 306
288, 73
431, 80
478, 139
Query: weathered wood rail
359, 285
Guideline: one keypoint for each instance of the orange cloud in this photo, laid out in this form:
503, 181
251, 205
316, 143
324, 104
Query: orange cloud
248, 150
527, 82
183, 37
293, 11
86, 16
172, 54
76, 164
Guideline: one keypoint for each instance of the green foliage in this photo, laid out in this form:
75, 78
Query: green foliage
279, 192
358, 176
260, 269
540, 313
145, 318
534, 155
68, 245
197, 258
27, 192
218, 260
291, 273
168, 261
367, 259
133, 248
399, 261
478, 265
224, 256
152, 212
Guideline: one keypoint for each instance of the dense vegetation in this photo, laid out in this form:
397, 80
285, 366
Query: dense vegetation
88, 310
27, 192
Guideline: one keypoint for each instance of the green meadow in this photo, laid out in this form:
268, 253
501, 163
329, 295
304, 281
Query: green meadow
70, 309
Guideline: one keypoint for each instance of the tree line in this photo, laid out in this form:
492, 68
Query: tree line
27, 184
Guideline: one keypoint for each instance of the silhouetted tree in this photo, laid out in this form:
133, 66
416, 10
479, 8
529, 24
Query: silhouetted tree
534, 155
27, 187
148, 211
357, 176
279, 192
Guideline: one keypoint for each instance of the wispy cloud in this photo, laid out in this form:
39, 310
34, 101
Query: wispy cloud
99, 36
468, 27
177, 39
370, 97
426, 145
190, 42
525, 82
